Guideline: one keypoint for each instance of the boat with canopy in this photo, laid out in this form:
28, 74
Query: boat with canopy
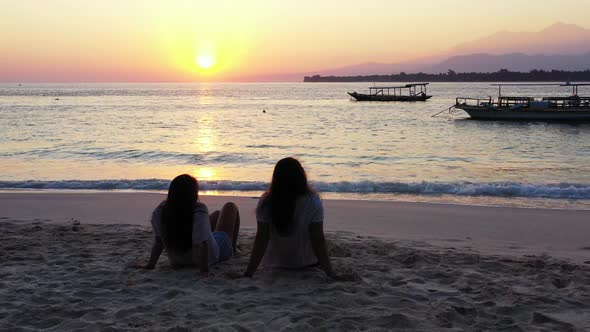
408, 92
547, 108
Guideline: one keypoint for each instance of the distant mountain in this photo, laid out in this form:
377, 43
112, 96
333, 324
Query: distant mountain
481, 63
559, 46
370, 67
559, 38
515, 62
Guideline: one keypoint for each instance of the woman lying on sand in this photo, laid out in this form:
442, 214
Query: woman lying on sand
290, 219
190, 235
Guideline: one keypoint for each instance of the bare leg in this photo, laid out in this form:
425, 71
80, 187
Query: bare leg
213, 217
229, 222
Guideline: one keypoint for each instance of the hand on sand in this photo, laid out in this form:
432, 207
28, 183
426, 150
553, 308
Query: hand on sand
235, 275
346, 277
140, 265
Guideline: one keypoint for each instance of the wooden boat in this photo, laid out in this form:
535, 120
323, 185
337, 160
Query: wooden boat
570, 108
415, 92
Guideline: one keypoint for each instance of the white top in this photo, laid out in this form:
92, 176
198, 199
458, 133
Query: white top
293, 250
201, 233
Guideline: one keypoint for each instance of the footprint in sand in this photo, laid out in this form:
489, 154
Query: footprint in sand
233, 291
545, 319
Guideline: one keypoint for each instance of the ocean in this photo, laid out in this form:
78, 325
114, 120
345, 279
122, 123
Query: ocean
230, 135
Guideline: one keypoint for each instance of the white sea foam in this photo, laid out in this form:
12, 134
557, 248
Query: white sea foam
504, 189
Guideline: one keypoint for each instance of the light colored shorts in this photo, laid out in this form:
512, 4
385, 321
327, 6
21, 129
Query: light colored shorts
225, 247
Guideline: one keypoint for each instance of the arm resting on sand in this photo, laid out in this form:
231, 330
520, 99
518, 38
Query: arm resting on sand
201, 256
260, 244
157, 249
318, 243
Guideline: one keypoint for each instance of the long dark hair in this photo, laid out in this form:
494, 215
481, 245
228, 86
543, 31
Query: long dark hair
289, 182
177, 213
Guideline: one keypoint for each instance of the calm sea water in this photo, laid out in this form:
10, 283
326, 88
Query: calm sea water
139, 136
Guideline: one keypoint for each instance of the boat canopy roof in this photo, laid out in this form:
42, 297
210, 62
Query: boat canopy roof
407, 86
574, 86
537, 84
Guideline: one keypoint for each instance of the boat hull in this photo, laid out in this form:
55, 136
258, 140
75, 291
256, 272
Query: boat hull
366, 97
484, 113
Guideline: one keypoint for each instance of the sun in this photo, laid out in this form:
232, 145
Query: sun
205, 61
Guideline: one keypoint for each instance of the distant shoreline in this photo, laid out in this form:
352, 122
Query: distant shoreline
502, 75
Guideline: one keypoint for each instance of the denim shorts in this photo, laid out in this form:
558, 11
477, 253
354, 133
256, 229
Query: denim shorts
224, 244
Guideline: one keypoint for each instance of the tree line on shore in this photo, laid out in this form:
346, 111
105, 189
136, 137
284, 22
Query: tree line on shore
503, 75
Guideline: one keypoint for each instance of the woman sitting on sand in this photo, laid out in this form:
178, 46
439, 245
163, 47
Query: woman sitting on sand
190, 235
290, 220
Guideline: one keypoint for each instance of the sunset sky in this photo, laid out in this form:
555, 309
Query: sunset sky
182, 40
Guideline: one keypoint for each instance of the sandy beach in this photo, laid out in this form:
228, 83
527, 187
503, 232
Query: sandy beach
420, 267
434, 156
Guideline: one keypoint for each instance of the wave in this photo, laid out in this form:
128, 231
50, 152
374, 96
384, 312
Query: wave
57, 90
493, 189
98, 153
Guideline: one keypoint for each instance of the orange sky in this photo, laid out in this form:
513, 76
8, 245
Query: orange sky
159, 41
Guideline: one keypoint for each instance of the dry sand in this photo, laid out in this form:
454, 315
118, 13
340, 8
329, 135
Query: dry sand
57, 275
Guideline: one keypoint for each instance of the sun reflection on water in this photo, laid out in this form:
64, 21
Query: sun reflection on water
205, 173
205, 140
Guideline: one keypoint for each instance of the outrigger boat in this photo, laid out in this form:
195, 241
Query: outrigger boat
571, 108
416, 92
